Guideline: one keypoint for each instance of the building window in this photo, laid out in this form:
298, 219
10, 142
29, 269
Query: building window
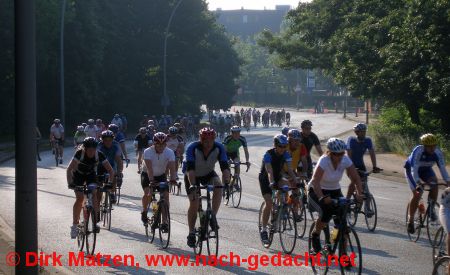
245, 19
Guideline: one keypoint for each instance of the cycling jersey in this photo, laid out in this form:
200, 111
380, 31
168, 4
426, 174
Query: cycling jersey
57, 131
173, 143
277, 162
204, 165
232, 145
91, 131
79, 137
309, 141
419, 165
119, 137
111, 153
142, 142
331, 177
88, 165
296, 155
159, 161
358, 149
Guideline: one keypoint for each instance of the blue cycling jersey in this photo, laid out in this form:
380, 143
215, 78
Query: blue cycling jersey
358, 149
419, 159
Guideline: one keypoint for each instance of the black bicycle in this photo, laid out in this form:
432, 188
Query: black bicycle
442, 266
346, 241
105, 204
87, 231
439, 245
368, 208
282, 219
157, 220
234, 189
56, 150
119, 182
422, 217
206, 227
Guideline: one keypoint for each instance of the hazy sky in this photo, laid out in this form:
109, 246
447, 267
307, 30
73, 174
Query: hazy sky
250, 4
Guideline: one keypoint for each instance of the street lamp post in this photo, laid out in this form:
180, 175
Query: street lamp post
165, 100
61, 71
298, 90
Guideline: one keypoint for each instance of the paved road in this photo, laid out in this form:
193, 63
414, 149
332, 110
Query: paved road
385, 251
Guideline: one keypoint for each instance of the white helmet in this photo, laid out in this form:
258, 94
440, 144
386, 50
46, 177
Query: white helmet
445, 198
336, 145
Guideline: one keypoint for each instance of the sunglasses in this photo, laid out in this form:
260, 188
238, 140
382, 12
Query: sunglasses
338, 154
282, 146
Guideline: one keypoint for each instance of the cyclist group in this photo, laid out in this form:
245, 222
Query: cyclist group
288, 163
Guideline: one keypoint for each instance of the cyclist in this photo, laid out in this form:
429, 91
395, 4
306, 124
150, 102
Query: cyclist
444, 217
79, 136
232, 144
310, 139
298, 152
141, 142
418, 167
111, 149
356, 147
157, 160
100, 127
120, 138
288, 118
57, 137
271, 175
176, 143
324, 185
117, 121
82, 170
285, 131
201, 157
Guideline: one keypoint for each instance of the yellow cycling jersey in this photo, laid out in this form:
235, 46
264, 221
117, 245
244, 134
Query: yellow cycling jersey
296, 155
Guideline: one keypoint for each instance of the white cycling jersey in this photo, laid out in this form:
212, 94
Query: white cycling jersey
159, 161
331, 177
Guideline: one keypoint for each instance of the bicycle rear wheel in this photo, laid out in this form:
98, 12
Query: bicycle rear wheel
370, 213
164, 236
432, 226
212, 241
236, 192
418, 223
269, 225
57, 154
349, 245
442, 266
439, 245
352, 215
287, 228
91, 233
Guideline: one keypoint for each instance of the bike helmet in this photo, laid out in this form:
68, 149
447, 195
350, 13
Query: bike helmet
306, 123
90, 142
235, 128
336, 145
114, 128
98, 121
285, 131
280, 139
116, 116
84, 124
178, 125
159, 138
80, 128
428, 140
56, 120
360, 127
107, 134
207, 133
445, 198
91, 121
173, 130
294, 134
142, 130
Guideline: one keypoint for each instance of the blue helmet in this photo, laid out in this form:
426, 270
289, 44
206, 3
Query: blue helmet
294, 134
285, 131
114, 128
336, 145
280, 140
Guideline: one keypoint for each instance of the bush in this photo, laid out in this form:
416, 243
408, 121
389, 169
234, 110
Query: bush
395, 132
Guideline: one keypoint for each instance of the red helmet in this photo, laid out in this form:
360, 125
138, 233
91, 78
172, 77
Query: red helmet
207, 133
160, 138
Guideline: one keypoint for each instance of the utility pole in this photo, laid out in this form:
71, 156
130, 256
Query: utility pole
367, 111
61, 71
25, 129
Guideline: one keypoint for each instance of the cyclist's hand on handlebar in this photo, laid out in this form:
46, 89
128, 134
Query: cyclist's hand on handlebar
327, 200
377, 169
71, 185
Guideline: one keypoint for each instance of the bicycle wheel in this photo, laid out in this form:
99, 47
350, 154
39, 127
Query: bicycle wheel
439, 245
301, 220
370, 213
91, 234
117, 193
432, 225
164, 236
104, 209
212, 241
226, 193
442, 266
109, 214
269, 225
352, 215
236, 192
81, 231
418, 223
287, 228
322, 266
200, 224
349, 245
57, 155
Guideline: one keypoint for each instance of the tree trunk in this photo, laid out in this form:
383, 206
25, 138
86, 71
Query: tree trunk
413, 109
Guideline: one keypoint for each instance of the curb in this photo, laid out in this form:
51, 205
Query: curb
7, 244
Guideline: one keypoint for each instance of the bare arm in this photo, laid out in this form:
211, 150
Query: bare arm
304, 164
355, 179
373, 157
108, 168
269, 172
247, 155
317, 177
319, 149
69, 172
119, 162
173, 172
148, 164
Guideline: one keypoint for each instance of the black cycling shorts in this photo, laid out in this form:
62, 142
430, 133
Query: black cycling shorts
211, 178
81, 179
145, 181
326, 211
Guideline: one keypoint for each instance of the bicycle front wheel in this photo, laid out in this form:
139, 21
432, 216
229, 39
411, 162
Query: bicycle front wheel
370, 213
236, 192
164, 225
439, 245
442, 266
349, 245
418, 223
287, 227
432, 225
212, 241
300, 218
269, 224
200, 228
91, 233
